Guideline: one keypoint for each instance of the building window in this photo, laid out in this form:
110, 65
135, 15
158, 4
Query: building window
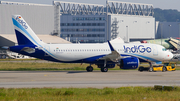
93, 24
82, 35
82, 24
89, 18
83, 30
97, 19
88, 24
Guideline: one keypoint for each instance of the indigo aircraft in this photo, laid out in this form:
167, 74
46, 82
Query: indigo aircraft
104, 55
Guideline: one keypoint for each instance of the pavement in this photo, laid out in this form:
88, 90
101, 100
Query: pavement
83, 79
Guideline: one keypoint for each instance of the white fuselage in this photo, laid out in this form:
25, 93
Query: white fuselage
73, 52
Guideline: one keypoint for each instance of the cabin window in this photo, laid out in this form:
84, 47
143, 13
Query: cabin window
164, 49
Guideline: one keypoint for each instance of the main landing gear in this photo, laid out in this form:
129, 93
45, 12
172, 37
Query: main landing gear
89, 68
104, 69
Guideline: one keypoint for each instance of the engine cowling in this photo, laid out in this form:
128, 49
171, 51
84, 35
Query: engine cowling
129, 63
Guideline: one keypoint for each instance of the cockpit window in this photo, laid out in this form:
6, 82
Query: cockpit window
164, 49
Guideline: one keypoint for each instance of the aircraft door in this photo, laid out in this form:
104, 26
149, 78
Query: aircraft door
155, 51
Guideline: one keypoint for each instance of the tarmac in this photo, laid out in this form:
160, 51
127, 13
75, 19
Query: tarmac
83, 79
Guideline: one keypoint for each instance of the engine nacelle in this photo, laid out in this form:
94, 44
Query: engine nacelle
129, 63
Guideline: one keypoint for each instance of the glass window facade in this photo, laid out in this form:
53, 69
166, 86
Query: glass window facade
83, 30
82, 24
82, 35
88, 18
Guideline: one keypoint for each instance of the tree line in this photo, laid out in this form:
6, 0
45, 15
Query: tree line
167, 15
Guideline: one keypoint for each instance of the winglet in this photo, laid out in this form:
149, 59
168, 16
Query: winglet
111, 47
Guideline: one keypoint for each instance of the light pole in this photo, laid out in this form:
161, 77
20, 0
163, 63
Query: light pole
179, 41
107, 19
169, 28
127, 36
161, 32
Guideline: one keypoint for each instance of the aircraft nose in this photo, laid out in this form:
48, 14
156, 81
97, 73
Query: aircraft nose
169, 56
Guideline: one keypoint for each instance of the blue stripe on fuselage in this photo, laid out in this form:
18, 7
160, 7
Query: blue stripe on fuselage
93, 60
145, 57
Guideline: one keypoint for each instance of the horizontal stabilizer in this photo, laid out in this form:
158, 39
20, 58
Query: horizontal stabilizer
5, 47
28, 50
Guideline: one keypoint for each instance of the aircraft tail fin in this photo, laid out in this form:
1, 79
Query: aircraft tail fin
25, 35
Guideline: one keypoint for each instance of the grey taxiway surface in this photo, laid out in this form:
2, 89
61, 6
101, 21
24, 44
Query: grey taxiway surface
83, 79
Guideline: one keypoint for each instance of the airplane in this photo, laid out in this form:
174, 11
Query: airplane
104, 55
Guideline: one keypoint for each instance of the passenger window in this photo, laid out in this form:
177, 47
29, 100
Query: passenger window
163, 49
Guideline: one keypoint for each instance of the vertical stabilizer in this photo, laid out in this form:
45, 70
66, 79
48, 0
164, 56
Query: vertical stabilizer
25, 35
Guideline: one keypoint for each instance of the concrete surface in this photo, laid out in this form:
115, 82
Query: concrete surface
83, 79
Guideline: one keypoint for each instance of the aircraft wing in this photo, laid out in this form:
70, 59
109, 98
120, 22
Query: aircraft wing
113, 56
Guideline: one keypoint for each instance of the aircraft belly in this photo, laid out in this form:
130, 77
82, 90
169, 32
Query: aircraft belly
74, 56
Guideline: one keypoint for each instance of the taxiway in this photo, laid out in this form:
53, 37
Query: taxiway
83, 79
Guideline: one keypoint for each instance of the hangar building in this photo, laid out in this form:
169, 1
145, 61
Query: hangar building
91, 23
167, 30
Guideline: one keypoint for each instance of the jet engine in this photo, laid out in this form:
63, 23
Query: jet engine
129, 63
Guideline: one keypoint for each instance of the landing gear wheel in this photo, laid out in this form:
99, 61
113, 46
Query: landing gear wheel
89, 69
141, 69
164, 69
104, 69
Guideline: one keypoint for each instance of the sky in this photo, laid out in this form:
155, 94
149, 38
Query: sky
163, 4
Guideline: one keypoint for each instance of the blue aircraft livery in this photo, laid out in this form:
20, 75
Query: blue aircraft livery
18, 18
140, 48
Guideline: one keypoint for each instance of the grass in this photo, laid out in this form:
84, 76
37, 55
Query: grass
32, 66
89, 94
19, 66
33, 59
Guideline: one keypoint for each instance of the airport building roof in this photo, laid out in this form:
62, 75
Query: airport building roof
44, 38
